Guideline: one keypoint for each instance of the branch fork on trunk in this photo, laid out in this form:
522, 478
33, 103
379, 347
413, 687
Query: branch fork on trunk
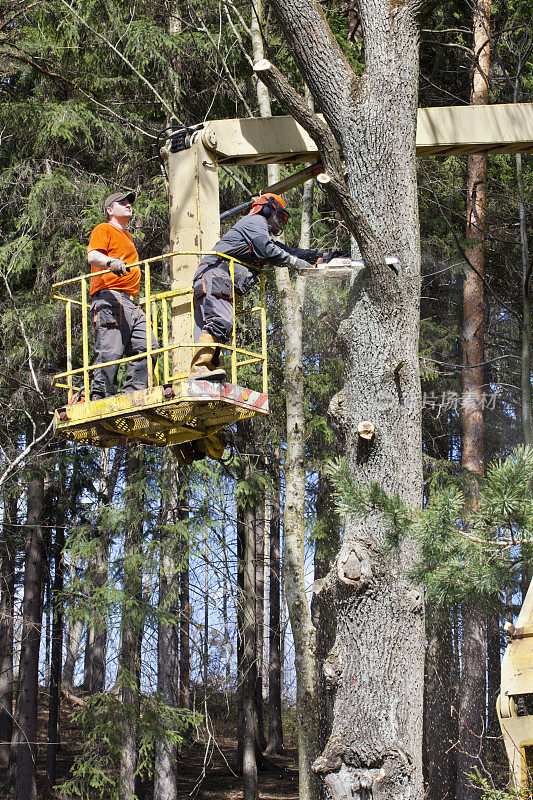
332, 179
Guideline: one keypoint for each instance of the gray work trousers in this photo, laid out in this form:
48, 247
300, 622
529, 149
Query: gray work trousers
119, 331
213, 304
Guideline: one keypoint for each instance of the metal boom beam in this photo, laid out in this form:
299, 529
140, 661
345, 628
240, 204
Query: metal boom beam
504, 128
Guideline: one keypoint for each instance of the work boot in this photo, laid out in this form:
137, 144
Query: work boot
202, 367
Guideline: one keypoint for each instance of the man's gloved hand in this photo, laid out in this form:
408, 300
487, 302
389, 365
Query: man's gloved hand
299, 263
329, 254
117, 266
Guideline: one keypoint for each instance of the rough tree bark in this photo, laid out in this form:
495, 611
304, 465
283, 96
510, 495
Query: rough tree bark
322, 609
132, 627
259, 518
275, 726
249, 665
378, 659
440, 726
54, 703
166, 753
96, 644
474, 649
23, 755
184, 623
7, 607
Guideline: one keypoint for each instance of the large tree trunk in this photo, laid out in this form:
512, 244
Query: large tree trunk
7, 610
473, 646
23, 744
376, 740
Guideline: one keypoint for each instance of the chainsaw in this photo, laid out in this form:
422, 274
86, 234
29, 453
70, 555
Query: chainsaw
341, 267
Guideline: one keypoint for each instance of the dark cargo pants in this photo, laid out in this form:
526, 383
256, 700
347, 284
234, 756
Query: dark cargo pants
119, 331
213, 304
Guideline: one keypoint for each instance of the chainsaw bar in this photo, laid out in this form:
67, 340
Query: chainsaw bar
341, 268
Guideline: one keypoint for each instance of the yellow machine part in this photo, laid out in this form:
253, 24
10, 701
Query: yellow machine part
162, 415
177, 410
515, 702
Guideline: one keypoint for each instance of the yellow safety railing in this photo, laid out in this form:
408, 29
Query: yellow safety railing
158, 310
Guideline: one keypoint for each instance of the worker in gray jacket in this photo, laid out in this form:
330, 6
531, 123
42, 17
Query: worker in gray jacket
249, 240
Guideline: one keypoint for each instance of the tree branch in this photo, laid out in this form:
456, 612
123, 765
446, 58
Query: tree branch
152, 88
332, 182
21, 456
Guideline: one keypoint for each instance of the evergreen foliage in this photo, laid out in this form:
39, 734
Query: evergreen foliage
466, 553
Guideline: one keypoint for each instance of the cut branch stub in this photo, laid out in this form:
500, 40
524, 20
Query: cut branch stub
354, 567
366, 430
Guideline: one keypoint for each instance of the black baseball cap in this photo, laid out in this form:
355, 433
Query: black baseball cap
116, 196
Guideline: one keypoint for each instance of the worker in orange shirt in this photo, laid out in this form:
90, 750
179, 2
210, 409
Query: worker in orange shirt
119, 323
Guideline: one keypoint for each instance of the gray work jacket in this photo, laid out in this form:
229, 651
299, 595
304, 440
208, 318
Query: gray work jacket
250, 241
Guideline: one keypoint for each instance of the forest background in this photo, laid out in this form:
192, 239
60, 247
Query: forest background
124, 562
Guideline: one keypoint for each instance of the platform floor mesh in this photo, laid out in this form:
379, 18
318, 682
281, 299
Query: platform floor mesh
189, 418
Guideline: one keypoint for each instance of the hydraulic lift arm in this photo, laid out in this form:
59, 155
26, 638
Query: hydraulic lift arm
515, 702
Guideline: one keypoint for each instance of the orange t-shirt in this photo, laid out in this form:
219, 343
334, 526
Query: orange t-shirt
115, 243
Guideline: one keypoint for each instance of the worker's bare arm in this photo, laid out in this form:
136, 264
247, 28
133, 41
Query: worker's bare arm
98, 259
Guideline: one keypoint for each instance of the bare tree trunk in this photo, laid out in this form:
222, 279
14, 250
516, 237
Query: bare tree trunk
251, 787
132, 626
73, 648
259, 526
96, 642
205, 659
184, 623
57, 640
494, 654
7, 610
527, 291
23, 776
380, 621
440, 726
275, 726
322, 606
241, 538
166, 752
292, 296
473, 644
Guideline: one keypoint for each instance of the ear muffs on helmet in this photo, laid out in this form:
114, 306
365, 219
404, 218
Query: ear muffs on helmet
268, 208
270, 205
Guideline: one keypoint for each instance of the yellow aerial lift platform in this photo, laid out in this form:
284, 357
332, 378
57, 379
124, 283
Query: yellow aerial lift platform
172, 410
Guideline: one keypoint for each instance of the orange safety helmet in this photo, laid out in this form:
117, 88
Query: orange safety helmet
266, 204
